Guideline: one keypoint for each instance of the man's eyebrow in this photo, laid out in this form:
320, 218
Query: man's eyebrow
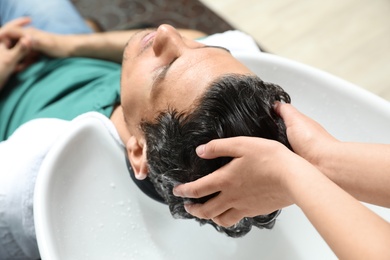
217, 47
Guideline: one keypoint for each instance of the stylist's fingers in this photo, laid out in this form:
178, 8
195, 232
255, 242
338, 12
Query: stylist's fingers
228, 218
204, 186
208, 210
227, 147
220, 215
213, 182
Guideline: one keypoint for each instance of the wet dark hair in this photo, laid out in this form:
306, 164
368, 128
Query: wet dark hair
234, 105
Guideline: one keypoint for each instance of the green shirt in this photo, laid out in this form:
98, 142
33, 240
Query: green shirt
59, 88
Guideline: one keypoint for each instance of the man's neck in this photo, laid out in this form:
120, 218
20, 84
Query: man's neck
119, 122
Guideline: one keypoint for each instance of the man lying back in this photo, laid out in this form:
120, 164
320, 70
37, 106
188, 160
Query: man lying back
176, 94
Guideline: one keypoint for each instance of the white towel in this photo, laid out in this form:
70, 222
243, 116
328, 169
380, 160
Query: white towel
236, 42
21, 157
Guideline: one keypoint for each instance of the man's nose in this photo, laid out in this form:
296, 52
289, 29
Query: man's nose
168, 42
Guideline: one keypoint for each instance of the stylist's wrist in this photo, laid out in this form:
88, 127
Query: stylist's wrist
327, 156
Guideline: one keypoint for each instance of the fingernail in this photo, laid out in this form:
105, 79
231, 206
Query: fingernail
200, 149
140, 176
176, 192
187, 207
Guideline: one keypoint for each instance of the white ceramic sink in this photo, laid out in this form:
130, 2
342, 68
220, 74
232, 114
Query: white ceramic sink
87, 207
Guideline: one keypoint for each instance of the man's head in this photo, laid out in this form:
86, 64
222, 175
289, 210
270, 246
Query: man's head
234, 105
160, 70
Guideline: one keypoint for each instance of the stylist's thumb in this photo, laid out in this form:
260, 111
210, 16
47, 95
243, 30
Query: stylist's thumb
288, 113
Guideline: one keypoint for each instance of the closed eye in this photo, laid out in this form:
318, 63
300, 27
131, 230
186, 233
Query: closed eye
162, 73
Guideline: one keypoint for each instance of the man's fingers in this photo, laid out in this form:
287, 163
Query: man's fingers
6, 42
20, 50
21, 21
10, 36
13, 30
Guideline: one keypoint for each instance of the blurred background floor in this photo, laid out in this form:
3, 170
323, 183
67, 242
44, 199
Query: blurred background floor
347, 38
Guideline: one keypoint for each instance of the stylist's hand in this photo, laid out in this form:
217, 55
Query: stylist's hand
307, 138
252, 184
13, 48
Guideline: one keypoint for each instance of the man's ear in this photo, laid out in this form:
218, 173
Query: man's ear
136, 151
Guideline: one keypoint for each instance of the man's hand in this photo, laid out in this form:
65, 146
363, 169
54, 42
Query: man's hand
13, 48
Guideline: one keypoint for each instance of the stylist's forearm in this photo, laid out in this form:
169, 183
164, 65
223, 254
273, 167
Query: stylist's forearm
363, 170
349, 228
